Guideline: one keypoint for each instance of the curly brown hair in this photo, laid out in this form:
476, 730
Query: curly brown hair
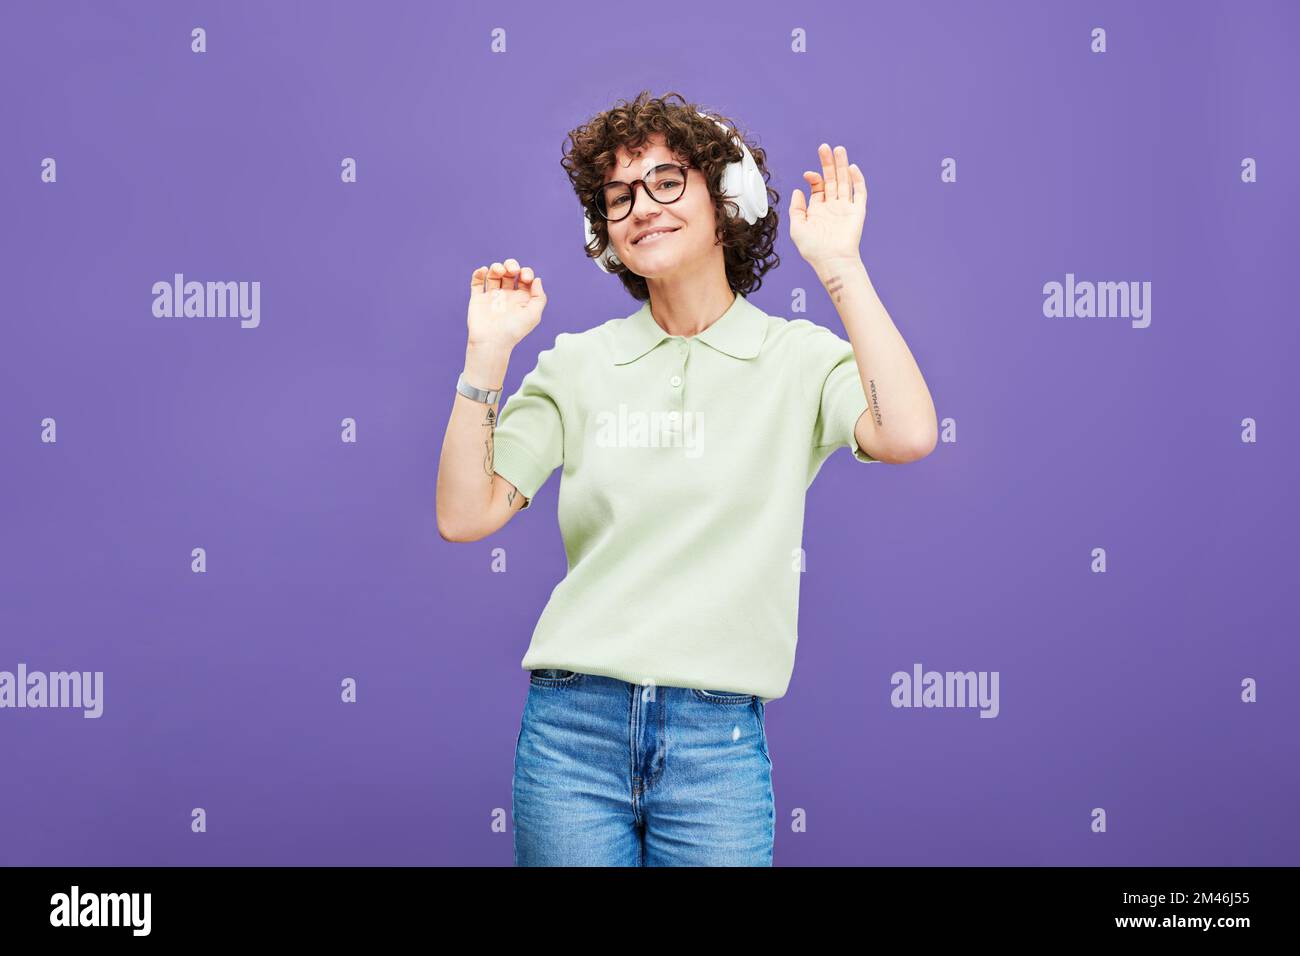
747, 248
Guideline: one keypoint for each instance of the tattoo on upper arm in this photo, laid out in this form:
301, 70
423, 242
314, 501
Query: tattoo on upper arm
510, 498
833, 286
875, 403
490, 423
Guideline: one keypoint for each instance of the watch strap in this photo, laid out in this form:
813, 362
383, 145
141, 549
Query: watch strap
487, 396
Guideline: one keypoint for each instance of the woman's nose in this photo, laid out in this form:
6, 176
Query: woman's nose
641, 199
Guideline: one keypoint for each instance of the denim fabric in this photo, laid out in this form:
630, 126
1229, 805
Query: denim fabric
608, 773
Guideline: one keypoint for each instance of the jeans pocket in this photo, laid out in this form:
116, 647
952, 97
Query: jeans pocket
553, 677
722, 696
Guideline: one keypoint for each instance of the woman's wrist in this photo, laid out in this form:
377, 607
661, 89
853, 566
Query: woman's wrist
485, 367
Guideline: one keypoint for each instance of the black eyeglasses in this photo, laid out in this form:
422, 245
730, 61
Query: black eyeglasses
664, 184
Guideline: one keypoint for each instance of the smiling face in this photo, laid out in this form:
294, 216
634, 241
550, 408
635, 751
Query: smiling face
687, 225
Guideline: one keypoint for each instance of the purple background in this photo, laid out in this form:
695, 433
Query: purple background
1119, 690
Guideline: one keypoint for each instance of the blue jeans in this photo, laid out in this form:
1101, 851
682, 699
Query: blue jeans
609, 773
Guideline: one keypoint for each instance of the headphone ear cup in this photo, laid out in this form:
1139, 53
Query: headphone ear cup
742, 182
754, 189
733, 187
606, 258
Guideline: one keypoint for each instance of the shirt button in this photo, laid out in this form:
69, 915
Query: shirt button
676, 380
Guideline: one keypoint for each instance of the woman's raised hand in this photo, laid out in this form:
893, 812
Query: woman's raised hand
505, 304
828, 225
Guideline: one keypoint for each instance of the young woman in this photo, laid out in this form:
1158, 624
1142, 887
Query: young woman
689, 432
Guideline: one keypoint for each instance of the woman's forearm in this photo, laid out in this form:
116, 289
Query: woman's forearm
900, 421
465, 474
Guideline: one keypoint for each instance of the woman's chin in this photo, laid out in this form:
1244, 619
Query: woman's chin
651, 264
655, 270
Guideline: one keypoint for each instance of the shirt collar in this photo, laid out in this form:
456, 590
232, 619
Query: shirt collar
739, 332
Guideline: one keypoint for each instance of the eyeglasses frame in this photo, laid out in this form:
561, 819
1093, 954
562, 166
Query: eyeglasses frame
642, 182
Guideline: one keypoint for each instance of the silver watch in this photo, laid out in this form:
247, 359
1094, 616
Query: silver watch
484, 395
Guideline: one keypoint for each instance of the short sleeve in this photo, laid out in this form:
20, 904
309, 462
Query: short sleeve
528, 443
832, 366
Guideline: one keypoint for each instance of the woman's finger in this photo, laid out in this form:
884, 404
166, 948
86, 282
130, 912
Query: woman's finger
494, 277
842, 173
828, 171
859, 185
526, 279
511, 267
798, 210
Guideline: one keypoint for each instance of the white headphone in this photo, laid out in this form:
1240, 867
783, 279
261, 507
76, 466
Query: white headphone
742, 183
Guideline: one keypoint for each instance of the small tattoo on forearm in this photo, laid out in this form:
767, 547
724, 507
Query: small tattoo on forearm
833, 286
490, 423
875, 403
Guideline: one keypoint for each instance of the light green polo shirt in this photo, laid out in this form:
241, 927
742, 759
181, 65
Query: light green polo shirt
685, 464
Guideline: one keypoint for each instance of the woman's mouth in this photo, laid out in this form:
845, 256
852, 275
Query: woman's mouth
654, 237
